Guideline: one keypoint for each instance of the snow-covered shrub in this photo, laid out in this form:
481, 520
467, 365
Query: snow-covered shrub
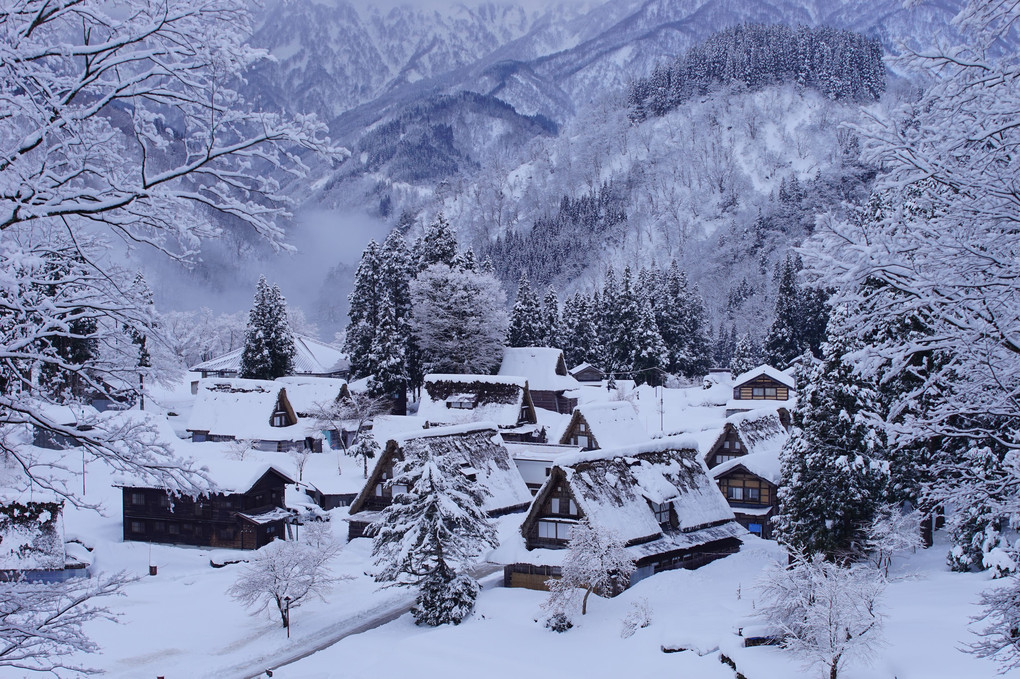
892, 530
559, 622
638, 617
1000, 563
445, 598
239, 448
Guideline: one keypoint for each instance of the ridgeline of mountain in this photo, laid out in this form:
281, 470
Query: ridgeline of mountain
508, 119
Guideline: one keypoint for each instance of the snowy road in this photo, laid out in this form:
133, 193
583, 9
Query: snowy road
326, 637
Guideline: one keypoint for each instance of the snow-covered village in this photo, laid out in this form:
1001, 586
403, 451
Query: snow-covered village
507, 338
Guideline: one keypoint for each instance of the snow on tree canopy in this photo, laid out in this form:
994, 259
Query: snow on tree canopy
614, 488
543, 367
31, 535
460, 399
481, 453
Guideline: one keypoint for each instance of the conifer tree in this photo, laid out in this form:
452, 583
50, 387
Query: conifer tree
833, 474
526, 326
784, 341
268, 343
746, 355
431, 534
580, 333
635, 346
389, 376
681, 318
364, 311
396, 274
551, 323
437, 245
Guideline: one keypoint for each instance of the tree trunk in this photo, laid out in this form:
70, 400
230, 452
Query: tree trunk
834, 666
584, 602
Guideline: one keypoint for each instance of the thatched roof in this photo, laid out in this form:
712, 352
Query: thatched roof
459, 399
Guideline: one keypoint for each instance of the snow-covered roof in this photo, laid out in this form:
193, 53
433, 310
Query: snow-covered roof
476, 446
760, 464
612, 423
543, 367
760, 431
739, 405
613, 489
488, 398
308, 394
242, 409
541, 452
768, 371
32, 538
311, 357
238, 476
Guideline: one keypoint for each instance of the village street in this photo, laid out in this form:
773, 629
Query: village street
488, 575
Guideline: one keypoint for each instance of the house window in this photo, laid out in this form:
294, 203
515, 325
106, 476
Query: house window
753, 493
726, 443
163, 501
399, 489
173, 529
279, 419
462, 401
137, 526
758, 392
199, 438
138, 498
735, 492
159, 526
770, 392
554, 530
554, 505
548, 471
661, 512
719, 459
379, 489
226, 533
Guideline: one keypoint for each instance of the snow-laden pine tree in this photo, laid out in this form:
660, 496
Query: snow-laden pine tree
580, 336
834, 476
683, 324
526, 327
746, 355
551, 322
784, 341
268, 343
364, 311
634, 346
431, 534
386, 354
596, 561
436, 245
397, 270
459, 320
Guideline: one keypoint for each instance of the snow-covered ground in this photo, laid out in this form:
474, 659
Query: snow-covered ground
182, 623
927, 608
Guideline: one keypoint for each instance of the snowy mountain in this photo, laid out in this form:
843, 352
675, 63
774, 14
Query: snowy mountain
456, 108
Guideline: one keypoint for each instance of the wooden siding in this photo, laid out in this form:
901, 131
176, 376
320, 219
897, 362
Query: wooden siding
554, 401
150, 515
746, 391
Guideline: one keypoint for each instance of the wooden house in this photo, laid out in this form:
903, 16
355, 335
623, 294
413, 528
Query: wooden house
247, 512
32, 547
460, 399
536, 460
552, 388
482, 457
255, 410
655, 496
763, 387
587, 374
62, 424
607, 424
744, 461
312, 358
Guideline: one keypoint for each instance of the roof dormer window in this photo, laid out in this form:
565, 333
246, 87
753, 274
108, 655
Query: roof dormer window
462, 401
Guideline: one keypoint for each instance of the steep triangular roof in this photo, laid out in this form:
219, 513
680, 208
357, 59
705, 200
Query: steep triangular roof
476, 446
242, 409
311, 357
613, 488
487, 398
768, 371
612, 423
543, 367
307, 393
